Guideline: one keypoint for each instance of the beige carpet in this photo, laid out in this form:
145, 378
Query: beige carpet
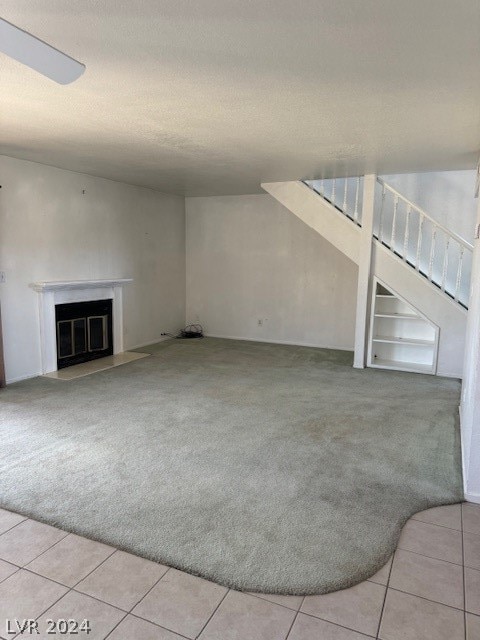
263, 467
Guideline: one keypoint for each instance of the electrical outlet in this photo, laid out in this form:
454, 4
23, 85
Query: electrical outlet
3, 276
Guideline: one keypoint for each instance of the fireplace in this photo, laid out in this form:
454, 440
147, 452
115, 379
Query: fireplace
65, 292
84, 331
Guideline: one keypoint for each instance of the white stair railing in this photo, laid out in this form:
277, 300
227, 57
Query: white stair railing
438, 254
344, 193
435, 252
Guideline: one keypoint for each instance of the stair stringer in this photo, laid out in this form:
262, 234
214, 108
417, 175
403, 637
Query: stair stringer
318, 214
345, 236
431, 302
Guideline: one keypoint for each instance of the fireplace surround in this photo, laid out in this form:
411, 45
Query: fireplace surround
84, 331
52, 294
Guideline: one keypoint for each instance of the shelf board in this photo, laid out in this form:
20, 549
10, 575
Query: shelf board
386, 295
398, 340
399, 316
398, 365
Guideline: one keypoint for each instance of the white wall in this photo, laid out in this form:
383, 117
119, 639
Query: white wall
447, 196
470, 403
51, 230
249, 258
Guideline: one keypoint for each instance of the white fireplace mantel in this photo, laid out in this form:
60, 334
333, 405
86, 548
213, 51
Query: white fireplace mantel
68, 285
61, 292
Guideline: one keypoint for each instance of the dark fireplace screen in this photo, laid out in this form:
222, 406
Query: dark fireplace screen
84, 331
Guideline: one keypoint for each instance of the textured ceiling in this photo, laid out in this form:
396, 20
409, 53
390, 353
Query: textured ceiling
215, 96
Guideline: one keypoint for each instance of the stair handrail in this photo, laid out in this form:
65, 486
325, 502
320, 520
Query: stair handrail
424, 214
455, 248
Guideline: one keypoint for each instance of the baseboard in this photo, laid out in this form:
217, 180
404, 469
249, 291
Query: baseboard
147, 344
470, 496
26, 377
286, 342
462, 452
449, 375
473, 497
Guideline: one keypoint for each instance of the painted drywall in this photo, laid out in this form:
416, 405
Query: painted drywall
61, 225
250, 259
447, 196
470, 403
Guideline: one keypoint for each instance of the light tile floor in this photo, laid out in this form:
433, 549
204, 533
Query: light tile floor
430, 590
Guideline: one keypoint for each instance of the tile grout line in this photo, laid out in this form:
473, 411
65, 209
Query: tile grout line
385, 596
72, 590
17, 569
434, 524
73, 587
23, 566
255, 595
159, 626
474, 507
295, 618
15, 525
151, 589
336, 624
98, 565
39, 575
53, 603
115, 627
88, 595
129, 612
457, 564
214, 612
414, 595
470, 533
293, 622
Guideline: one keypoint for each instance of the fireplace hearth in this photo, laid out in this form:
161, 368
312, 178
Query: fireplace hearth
84, 331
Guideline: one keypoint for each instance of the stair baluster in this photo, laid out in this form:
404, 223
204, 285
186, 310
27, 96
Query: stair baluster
432, 252
382, 209
357, 193
407, 231
419, 242
445, 264
426, 260
394, 220
344, 208
459, 273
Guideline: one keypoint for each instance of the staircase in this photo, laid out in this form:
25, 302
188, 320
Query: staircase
419, 261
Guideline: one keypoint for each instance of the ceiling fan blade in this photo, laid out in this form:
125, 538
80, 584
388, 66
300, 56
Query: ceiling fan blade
38, 55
